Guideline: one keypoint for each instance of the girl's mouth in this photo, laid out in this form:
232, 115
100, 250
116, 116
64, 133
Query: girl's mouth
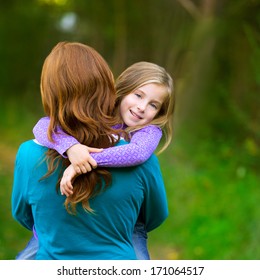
135, 115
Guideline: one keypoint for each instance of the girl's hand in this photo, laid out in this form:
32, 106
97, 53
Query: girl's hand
80, 158
67, 179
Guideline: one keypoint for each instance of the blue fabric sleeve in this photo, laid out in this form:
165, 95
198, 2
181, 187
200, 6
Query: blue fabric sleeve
154, 210
21, 210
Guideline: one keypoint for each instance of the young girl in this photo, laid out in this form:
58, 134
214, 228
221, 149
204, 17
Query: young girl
144, 107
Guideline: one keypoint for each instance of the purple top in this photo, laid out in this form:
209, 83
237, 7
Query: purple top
35, 233
142, 144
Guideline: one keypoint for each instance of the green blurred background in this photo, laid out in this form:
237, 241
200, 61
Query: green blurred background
212, 50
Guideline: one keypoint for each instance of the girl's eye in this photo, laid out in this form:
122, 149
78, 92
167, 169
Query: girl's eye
138, 95
154, 106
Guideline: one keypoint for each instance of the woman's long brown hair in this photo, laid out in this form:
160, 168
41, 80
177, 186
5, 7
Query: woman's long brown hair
78, 94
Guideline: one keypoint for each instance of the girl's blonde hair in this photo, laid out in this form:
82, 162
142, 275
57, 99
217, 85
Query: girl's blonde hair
78, 94
140, 74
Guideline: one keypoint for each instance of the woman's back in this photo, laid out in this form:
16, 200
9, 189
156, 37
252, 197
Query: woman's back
104, 234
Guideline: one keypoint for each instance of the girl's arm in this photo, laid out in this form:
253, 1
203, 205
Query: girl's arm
143, 143
62, 142
141, 147
81, 159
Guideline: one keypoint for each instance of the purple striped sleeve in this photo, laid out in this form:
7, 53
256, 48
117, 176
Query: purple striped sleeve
62, 142
142, 145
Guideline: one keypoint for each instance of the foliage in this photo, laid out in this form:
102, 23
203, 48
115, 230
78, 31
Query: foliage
213, 195
211, 48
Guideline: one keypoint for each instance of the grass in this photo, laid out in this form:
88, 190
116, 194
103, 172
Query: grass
213, 201
213, 196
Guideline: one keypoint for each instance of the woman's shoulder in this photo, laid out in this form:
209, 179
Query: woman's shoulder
32, 143
30, 149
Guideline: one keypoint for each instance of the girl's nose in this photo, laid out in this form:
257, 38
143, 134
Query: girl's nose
141, 107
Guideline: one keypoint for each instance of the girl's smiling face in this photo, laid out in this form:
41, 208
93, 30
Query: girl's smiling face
142, 105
